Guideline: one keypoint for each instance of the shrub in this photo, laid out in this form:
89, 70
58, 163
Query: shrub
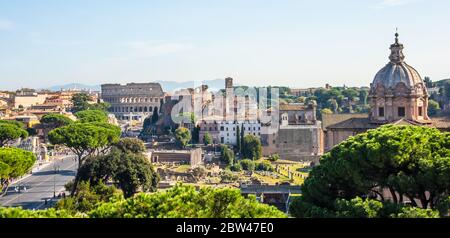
264, 166
236, 167
228, 177
248, 165
274, 157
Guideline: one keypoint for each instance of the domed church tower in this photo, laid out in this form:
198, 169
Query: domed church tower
398, 92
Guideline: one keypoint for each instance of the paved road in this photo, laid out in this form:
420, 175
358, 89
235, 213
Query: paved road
40, 185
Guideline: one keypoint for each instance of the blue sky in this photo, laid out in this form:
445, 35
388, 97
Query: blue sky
258, 42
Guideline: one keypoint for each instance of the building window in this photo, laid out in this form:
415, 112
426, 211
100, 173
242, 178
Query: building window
381, 111
401, 111
421, 111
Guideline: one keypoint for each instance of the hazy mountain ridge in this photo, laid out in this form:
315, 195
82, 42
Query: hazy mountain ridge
168, 86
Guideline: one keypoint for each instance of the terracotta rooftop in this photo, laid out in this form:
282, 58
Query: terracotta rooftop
293, 107
333, 119
441, 122
354, 123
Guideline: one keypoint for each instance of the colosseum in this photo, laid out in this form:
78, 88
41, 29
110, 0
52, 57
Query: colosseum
133, 101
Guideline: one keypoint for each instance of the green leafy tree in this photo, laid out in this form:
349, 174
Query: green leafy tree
350, 93
11, 132
196, 135
433, 108
92, 116
178, 202
363, 94
131, 145
186, 202
135, 173
274, 157
49, 213
14, 163
252, 147
359, 208
264, 166
155, 115
183, 136
14, 123
415, 212
55, 120
333, 105
446, 91
103, 106
80, 102
207, 140
85, 139
147, 123
428, 82
227, 155
125, 166
409, 162
88, 197
236, 167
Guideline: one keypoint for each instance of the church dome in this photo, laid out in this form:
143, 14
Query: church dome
393, 74
397, 73
398, 92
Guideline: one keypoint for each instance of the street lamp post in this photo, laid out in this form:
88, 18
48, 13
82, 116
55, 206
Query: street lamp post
19, 192
54, 182
55, 167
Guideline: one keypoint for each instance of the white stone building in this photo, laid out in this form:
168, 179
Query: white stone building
228, 130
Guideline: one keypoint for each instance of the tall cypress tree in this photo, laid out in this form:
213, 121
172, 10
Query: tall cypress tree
155, 116
238, 139
242, 138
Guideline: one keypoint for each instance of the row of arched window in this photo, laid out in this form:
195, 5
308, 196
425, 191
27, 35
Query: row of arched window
133, 109
132, 100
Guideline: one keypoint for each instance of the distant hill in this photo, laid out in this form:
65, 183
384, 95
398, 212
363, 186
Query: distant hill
75, 86
168, 86
442, 82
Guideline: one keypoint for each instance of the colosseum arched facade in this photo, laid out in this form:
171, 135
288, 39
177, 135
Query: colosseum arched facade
134, 101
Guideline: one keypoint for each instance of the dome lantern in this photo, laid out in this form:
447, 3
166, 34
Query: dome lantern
397, 56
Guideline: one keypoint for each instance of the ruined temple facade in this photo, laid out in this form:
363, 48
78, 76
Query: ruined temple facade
134, 101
